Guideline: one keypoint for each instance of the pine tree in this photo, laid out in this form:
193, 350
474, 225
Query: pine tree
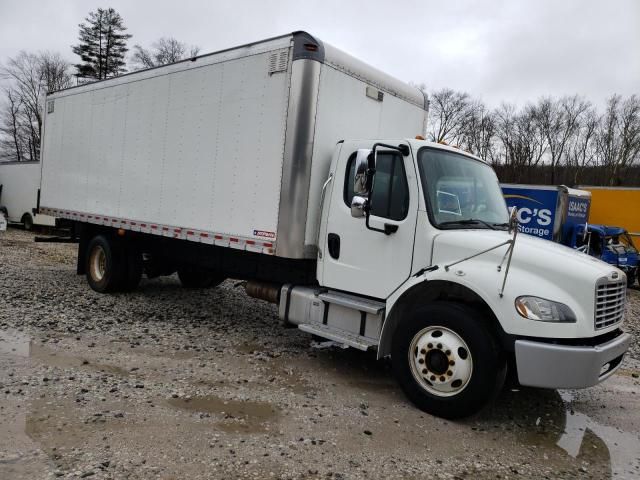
103, 45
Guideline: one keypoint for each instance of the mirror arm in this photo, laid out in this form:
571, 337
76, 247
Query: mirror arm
389, 228
402, 148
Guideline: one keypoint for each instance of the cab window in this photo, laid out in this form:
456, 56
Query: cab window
390, 194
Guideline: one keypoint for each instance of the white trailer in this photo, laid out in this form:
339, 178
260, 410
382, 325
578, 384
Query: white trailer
294, 166
19, 186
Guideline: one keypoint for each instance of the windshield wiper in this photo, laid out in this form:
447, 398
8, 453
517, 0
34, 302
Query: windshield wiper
475, 221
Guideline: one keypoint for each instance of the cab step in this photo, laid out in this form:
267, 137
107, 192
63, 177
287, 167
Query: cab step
341, 336
351, 301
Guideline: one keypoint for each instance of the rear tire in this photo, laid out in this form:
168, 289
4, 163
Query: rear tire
105, 265
27, 222
195, 278
446, 361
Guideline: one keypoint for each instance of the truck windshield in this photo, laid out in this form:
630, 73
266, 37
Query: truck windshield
620, 243
461, 192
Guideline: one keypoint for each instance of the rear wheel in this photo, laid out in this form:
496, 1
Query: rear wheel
196, 278
27, 221
446, 361
105, 265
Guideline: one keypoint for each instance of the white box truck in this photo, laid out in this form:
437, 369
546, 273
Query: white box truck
294, 166
19, 185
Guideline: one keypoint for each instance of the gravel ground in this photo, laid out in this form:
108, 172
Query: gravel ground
171, 384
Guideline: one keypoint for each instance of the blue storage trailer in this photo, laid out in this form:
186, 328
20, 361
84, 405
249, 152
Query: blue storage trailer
549, 212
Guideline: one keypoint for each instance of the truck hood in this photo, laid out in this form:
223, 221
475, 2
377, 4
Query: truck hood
531, 254
538, 268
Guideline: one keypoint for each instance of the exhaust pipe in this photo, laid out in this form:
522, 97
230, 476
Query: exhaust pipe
269, 292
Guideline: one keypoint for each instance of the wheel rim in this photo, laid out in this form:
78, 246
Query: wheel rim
441, 361
98, 263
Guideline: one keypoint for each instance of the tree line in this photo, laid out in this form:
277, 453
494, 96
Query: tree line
102, 50
564, 140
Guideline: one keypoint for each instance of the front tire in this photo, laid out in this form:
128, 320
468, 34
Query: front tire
446, 361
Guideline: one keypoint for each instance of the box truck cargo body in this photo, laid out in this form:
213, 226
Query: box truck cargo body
295, 167
19, 186
226, 149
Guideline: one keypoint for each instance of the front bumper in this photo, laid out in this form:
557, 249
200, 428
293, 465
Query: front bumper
549, 365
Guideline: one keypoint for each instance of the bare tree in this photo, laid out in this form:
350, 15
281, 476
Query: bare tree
11, 142
166, 50
28, 77
559, 121
478, 131
448, 112
618, 136
581, 152
522, 141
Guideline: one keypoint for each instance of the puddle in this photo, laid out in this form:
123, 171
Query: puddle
623, 447
14, 342
20, 457
238, 416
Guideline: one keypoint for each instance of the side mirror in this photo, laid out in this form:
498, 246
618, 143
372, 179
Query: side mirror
358, 206
361, 180
513, 219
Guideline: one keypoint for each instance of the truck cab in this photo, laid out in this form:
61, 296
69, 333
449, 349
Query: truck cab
612, 245
419, 258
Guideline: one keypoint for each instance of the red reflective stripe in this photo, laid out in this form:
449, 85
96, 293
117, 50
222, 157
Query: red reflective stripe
153, 227
233, 239
204, 234
268, 244
166, 229
218, 237
190, 232
250, 242
133, 223
177, 230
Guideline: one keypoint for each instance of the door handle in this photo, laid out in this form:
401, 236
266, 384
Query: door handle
333, 245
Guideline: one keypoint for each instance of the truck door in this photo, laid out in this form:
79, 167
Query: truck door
360, 260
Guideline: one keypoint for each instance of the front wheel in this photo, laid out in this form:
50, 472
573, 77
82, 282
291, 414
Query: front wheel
446, 361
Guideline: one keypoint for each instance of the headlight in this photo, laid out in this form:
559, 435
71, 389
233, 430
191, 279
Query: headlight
543, 310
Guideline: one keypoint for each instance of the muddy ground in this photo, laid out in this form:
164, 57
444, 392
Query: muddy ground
173, 384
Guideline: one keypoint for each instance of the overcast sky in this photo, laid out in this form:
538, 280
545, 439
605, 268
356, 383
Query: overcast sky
513, 50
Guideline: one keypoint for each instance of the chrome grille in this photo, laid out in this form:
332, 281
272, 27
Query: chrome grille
610, 302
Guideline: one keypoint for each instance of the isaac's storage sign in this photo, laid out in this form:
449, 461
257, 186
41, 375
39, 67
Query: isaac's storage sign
536, 209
